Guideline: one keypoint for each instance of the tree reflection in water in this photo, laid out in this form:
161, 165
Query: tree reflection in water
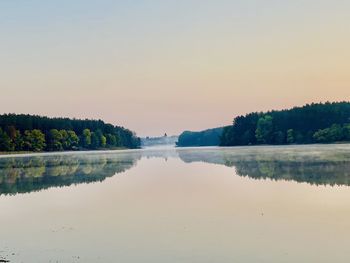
316, 165
34, 173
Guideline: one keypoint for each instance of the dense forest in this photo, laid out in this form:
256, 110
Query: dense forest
210, 137
36, 133
312, 123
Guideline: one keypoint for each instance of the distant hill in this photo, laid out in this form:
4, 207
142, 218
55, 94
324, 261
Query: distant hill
157, 141
312, 123
210, 137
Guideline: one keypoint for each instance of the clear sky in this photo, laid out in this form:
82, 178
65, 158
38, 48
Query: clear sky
166, 66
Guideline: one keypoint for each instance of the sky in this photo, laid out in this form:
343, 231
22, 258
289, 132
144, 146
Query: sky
168, 66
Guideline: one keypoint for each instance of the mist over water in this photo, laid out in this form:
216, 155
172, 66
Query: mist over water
177, 205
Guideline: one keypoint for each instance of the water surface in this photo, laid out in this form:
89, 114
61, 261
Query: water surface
242, 204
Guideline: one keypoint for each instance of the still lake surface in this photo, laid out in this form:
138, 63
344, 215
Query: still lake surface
242, 204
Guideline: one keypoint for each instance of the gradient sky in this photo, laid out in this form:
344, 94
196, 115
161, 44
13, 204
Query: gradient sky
168, 66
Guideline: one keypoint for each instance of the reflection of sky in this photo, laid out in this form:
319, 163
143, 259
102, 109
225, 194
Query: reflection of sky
316, 165
166, 66
175, 211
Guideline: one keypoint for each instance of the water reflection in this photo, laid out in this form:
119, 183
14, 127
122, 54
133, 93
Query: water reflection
34, 173
317, 165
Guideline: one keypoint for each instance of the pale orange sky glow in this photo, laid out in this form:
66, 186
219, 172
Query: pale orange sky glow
169, 66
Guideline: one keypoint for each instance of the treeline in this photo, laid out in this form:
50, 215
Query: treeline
312, 123
210, 137
36, 133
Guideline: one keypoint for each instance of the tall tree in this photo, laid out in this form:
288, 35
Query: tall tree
18, 141
264, 129
34, 140
111, 140
5, 142
290, 136
86, 138
73, 140
54, 140
65, 140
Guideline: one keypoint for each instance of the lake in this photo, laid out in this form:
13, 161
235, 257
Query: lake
240, 204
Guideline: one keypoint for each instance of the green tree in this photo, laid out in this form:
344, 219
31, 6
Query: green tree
11, 131
95, 140
290, 136
18, 141
5, 142
103, 141
86, 138
65, 140
16, 138
73, 140
98, 140
264, 129
346, 132
55, 140
336, 133
332, 134
111, 140
34, 140
321, 136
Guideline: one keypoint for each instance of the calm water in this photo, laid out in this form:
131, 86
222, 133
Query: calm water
253, 204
